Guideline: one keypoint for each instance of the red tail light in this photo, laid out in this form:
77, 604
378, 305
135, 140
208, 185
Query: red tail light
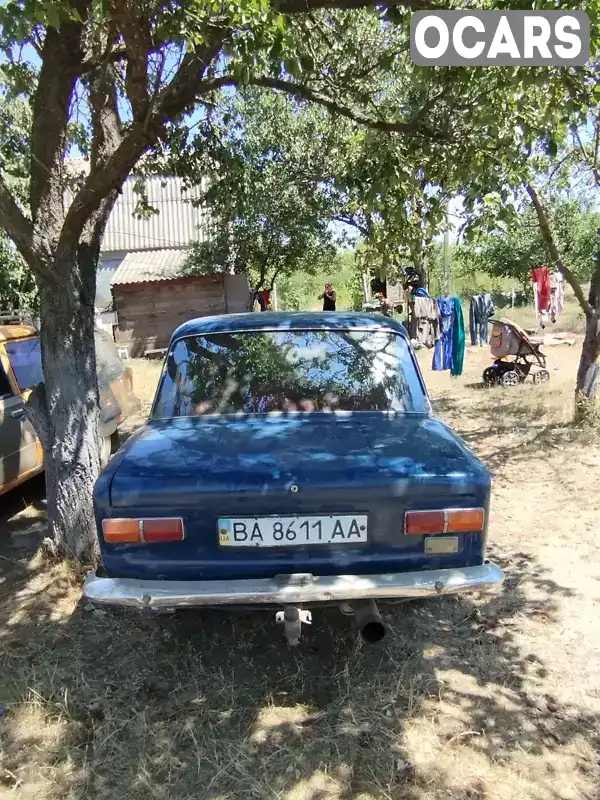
449, 520
158, 529
162, 530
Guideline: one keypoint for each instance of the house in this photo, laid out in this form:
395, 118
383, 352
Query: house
141, 284
142, 273
172, 224
153, 295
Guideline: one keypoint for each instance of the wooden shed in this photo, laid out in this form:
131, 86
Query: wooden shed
152, 296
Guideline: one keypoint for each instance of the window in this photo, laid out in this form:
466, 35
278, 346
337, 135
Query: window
5, 387
26, 361
286, 371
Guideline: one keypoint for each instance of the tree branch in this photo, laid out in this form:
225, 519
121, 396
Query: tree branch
187, 86
106, 123
62, 55
136, 35
179, 96
349, 220
16, 225
88, 64
412, 128
551, 245
106, 138
558, 165
596, 147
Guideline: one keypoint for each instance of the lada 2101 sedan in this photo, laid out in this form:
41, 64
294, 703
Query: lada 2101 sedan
291, 460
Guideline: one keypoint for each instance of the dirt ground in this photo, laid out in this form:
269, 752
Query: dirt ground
476, 698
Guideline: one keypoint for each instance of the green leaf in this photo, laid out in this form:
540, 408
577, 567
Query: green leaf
292, 67
307, 63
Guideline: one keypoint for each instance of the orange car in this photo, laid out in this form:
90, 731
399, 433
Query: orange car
21, 454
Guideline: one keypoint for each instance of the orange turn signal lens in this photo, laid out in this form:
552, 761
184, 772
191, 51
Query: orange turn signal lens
121, 530
159, 529
468, 520
449, 520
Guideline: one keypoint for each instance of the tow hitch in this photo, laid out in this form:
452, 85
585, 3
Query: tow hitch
292, 619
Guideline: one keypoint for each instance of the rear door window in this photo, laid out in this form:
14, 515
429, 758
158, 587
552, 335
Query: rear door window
26, 360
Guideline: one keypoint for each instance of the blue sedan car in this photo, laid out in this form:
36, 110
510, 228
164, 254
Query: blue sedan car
291, 460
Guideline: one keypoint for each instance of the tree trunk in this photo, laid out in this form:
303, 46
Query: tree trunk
65, 409
587, 374
588, 363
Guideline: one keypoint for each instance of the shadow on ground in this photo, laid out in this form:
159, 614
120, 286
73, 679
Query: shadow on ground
453, 704
211, 705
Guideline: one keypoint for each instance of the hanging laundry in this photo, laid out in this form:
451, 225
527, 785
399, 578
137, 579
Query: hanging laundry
424, 320
458, 337
480, 312
449, 350
557, 283
540, 278
442, 355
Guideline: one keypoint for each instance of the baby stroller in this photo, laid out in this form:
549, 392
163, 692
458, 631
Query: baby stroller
507, 339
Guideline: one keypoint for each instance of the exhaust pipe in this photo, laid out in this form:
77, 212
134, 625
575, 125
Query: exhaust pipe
369, 621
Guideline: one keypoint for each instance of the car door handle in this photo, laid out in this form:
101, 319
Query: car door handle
17, 413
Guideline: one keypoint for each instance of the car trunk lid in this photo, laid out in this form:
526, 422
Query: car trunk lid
362, 464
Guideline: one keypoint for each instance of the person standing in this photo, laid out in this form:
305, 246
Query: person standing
264, 299
328, 298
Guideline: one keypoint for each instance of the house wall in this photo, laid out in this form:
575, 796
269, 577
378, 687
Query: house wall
148, 313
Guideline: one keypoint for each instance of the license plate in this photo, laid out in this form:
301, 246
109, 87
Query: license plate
292, 531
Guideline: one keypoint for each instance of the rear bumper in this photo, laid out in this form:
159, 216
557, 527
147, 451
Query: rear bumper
286, 589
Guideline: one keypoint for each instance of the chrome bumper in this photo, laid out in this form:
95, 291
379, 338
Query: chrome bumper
286, 589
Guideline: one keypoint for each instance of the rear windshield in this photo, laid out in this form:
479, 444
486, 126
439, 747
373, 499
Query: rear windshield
26, 360
286, 371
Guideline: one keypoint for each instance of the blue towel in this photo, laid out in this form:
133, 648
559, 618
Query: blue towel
443, 350
458, 339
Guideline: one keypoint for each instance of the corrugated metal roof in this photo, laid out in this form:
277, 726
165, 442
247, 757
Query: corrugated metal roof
175, 224
151, 265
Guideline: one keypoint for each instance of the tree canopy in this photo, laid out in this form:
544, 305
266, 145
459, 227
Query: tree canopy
267, 202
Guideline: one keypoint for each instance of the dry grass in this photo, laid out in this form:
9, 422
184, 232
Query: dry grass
495, 700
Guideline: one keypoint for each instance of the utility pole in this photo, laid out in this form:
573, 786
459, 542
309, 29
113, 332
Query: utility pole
447, 275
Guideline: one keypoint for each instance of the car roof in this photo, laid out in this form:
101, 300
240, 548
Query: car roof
287, 320
9, 332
